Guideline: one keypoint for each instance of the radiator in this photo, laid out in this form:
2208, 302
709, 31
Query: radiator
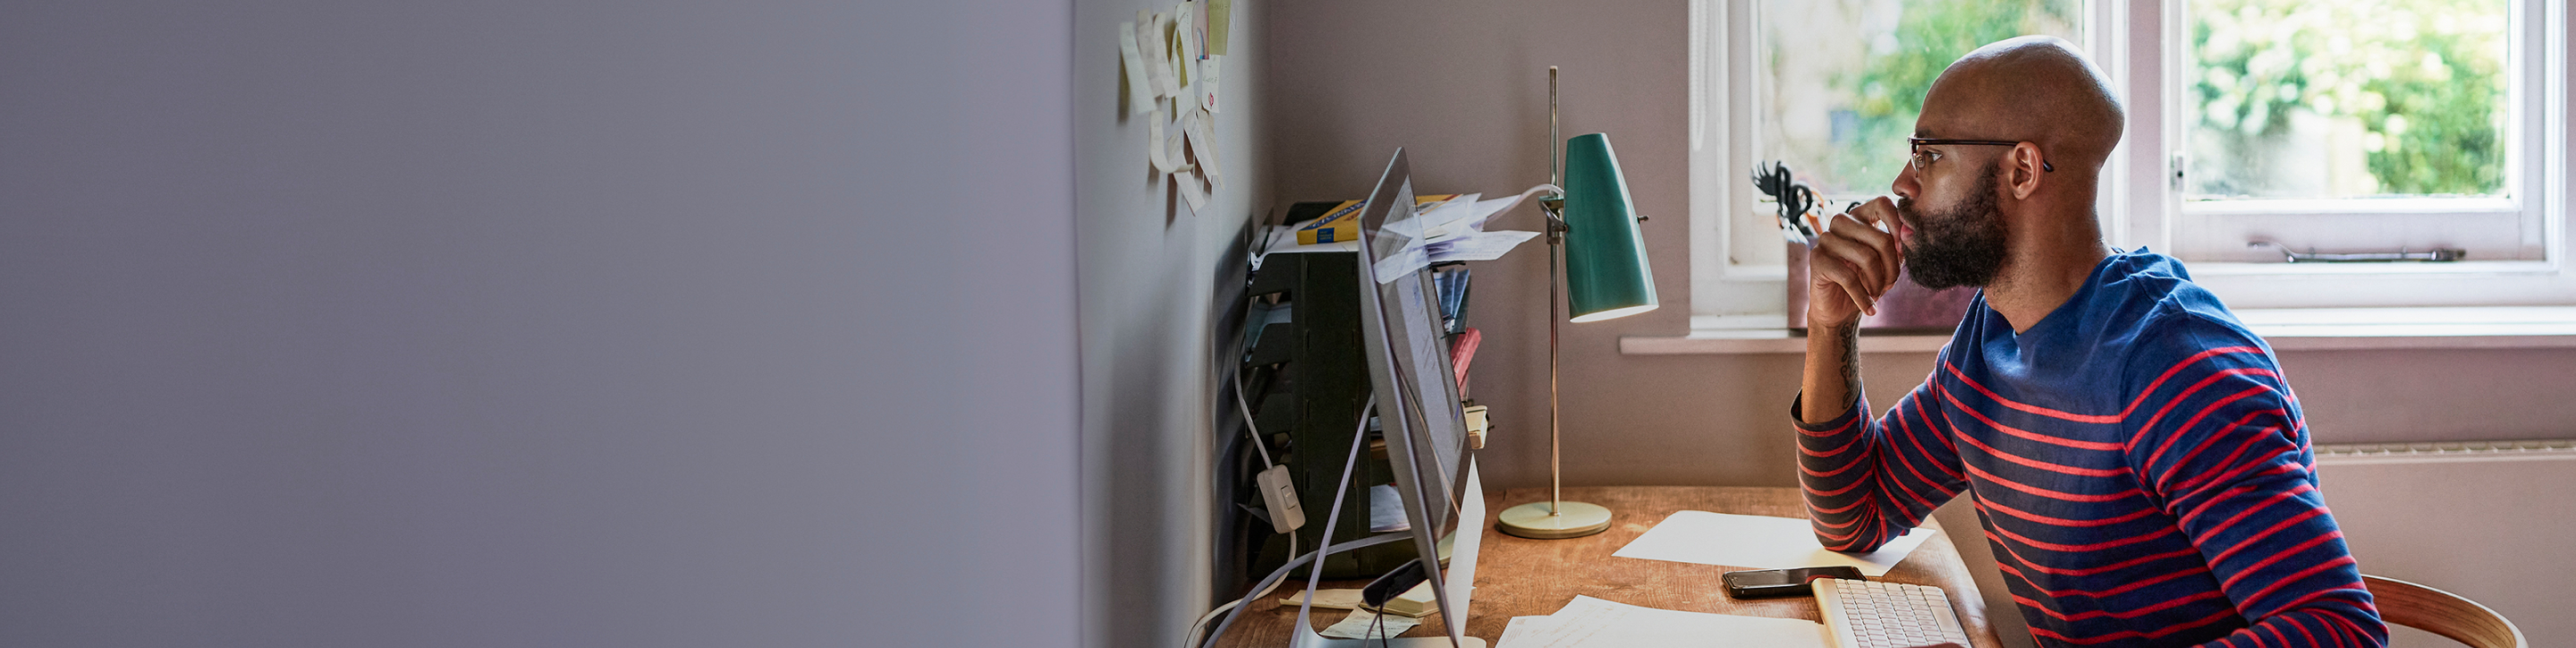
2491, 521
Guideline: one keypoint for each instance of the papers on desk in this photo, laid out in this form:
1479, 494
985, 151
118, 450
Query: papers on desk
1363, 624
1590, 622
1759, 542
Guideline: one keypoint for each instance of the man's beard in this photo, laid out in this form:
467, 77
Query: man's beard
1960, 246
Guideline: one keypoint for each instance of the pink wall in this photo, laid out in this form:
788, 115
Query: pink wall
1463, 87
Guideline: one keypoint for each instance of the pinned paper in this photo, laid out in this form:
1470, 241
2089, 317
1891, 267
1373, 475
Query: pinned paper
1185, 30
1203, 145
1191, 190
1158, 64
1207, 82
1220, 21
1154, 141
1172, 148
1140, 88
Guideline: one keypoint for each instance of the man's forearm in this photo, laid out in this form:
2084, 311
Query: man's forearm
1832, 381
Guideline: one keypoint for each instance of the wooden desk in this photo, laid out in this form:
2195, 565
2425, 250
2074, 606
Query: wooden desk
1523, 577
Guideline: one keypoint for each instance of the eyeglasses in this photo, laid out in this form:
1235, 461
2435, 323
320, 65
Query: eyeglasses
1923, 158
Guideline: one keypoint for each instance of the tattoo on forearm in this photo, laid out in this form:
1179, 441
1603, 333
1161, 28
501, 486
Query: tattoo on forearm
1850, 342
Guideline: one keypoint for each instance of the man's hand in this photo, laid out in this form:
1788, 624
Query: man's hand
1852, 263
1849, 266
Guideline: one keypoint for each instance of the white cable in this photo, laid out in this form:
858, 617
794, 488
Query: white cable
1243, 404
1359, 438
1246, 407
1201, 625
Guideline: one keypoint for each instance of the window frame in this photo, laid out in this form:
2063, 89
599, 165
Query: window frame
2140, 205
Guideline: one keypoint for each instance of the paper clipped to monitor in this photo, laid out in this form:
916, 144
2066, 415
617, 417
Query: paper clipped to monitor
1759, 542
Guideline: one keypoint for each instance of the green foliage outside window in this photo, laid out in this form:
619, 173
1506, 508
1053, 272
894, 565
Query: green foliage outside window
1930, 35
2424, 78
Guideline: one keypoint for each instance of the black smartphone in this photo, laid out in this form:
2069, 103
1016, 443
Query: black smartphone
1782, 582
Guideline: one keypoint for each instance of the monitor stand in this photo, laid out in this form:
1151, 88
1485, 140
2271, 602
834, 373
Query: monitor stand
1453, 593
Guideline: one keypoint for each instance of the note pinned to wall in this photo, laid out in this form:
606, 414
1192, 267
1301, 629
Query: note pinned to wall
1140, 88
1759, 542
1185, 34
1158, 61
1220, 23
1188, 182
1203, 146
1207, 82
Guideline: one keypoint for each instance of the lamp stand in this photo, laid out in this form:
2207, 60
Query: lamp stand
1555, 518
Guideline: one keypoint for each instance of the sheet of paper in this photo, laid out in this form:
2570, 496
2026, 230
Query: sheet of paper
1220, 22
1517, 632
1140, 88
1340, 599
1191, 190
1185, 33
1386, 510
1448, 218
1207, 86
1758, 542
1154, 143
1413, 257
1589, 622
1172, 145
1478, 246
1158, 61
1363, 624
1485, 210
1203, 145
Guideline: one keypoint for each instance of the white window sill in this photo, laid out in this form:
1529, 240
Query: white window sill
2288, 329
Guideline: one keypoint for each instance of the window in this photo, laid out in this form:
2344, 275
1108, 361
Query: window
2348, 126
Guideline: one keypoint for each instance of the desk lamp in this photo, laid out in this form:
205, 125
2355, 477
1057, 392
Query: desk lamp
1592, 228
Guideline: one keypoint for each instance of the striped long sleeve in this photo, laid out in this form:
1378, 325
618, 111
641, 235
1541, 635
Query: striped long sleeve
2225, 455
1867, 481
2140, 468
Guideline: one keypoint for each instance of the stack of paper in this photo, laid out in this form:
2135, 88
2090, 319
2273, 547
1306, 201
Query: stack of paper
1588, 622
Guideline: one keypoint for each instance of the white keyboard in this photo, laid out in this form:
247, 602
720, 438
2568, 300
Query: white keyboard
1872, 614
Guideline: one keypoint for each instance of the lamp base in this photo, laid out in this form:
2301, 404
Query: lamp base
1573, 520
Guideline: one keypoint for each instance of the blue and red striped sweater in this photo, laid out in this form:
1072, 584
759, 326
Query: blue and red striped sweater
2139, 466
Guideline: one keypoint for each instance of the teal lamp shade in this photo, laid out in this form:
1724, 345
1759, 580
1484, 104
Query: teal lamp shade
1606, 275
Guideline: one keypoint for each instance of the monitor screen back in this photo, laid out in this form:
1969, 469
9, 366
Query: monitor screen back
1408, 358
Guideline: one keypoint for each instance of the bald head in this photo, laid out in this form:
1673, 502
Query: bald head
2034, 89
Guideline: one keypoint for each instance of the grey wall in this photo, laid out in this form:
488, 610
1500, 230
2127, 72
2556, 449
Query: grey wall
536, 323
1462, 85
1156, 279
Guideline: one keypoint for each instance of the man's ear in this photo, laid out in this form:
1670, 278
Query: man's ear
2026, 167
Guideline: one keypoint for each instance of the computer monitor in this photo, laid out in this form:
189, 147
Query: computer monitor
1417, 393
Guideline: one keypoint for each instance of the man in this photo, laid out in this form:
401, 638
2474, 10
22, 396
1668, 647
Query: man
2138, 460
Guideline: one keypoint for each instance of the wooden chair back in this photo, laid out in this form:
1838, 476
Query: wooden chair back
2442, 613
